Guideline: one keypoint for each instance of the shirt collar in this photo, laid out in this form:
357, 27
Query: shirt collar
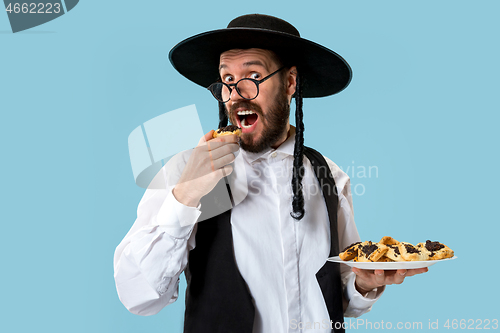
286, 149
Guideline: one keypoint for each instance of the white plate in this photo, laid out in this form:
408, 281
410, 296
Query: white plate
389, 265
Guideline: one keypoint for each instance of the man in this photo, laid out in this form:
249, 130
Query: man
258, 266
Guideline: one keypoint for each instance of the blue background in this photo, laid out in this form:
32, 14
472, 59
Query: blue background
422, 108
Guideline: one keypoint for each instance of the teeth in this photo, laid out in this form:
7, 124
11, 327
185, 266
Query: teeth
244, 113
244, 124
243, 121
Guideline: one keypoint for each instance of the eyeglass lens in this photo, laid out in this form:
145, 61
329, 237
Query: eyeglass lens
245, 87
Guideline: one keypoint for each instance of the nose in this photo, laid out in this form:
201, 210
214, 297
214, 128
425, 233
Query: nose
233, 98
234, 95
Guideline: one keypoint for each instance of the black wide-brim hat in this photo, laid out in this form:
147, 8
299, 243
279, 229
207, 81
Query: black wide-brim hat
323, 71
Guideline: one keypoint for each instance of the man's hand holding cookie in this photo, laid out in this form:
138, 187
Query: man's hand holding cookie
208, 163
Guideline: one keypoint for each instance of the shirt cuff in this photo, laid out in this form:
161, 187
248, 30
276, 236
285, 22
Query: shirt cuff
177, 218
358, 303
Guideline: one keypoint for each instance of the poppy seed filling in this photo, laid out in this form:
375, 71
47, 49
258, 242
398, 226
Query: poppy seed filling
351, 246
230, 128
433, 246
368, 249
411, 249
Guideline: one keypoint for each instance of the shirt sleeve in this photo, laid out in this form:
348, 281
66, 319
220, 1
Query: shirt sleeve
358, 304
154, 253
355, 304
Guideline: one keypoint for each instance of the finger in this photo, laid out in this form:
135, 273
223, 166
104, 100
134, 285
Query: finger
227, 170
227, 149
206, 137
379, 277
231, 138
412, 272
399, 276
212, 164
223, 161
224, 171
361, 273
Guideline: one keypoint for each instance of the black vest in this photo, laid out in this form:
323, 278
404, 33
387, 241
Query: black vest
217, 296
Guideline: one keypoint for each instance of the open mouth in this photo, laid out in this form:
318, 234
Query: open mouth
247, 119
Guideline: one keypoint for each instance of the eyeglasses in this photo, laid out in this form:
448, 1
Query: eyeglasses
247, 88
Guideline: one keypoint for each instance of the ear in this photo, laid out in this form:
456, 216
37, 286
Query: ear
291, 82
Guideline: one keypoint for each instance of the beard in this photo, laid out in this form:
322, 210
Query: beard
274, 123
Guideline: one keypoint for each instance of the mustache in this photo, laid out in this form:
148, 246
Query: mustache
246, 105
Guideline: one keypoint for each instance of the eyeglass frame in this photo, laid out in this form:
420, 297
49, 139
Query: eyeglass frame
235, 85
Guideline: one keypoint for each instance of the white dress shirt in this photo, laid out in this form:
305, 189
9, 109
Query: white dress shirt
276, 255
